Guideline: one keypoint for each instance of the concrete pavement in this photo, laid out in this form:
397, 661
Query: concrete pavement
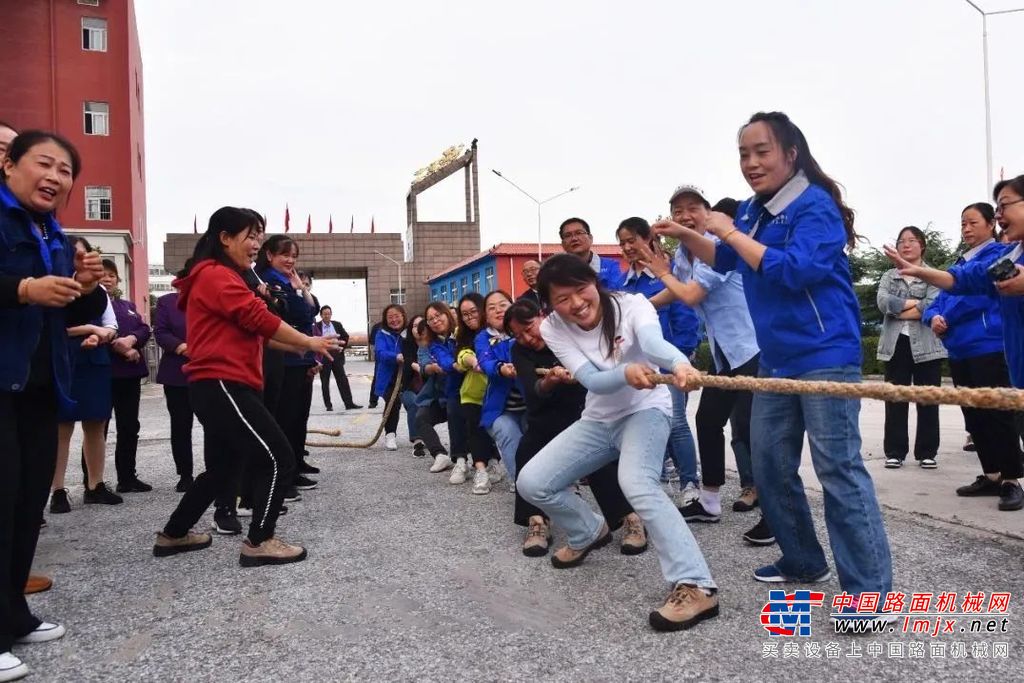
410, 578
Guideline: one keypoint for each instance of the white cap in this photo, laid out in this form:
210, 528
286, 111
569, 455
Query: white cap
689, 189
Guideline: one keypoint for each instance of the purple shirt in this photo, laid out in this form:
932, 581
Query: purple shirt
129, 322
169, 331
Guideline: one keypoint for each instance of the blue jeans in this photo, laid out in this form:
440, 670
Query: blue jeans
638, 440
506, 431
860, 546
681, 447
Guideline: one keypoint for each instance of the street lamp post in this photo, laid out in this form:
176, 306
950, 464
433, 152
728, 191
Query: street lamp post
988, 109
539, 204
401, 291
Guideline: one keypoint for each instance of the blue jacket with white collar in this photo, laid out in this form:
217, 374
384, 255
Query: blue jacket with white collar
492, 351
679, 323
801, 299
974, 322
972, 278
24, 254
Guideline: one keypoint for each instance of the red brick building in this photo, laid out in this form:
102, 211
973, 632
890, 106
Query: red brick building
75, 67
500, 267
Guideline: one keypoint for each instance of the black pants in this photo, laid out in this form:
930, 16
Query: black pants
293, 408
426, 417
901, 369
994, 431
391, 419
28, 423
337, 368
604, 483
126, 392
481, 445
273, 378
718, 406
180, 409
239, 428
373, 384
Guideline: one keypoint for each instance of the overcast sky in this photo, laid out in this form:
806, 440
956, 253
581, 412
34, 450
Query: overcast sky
331, 107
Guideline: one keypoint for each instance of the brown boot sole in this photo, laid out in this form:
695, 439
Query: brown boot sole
660, 623
261, 560
599, 543
168, 550
38, 584
537, 550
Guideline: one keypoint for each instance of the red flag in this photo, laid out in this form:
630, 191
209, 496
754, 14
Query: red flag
330, 223
352, 225
287, 218
195, 229
372, 228
309, 223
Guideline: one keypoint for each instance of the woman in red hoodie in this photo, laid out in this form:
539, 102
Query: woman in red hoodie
226, 326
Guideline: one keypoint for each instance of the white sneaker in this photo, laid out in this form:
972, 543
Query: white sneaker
495, 471
690, 493
390, 443
11, 668
44, 633
481, 482
441, 463
458, 472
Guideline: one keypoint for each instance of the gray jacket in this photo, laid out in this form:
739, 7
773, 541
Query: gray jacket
893, 292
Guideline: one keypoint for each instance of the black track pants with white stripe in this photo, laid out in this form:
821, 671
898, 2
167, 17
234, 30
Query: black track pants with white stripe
240, 429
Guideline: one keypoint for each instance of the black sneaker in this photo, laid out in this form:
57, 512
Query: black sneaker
133, 486
329, 409
355, 406
893, 463
225, 522
695, 512
291, 495
981, 486
59, 503
1011, 496
304, 483
101, 495
306, 468
373, 404
183, 484
419, 450
761, 534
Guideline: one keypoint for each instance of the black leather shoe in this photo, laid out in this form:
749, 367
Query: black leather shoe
133, 486
306, 468
183, 484
330, 409
355, 406
982, 486
1011, 496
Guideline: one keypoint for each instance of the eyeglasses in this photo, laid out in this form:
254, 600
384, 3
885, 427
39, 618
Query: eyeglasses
1002, 207
471, 314
900, 243
435, 319
576, 233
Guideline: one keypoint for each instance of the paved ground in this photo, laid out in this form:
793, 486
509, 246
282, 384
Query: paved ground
410, 578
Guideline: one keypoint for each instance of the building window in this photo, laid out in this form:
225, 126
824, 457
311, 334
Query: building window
455, 290
97, 118
97, 204
94, 34
465, 284
398, 296
89, 3
476, 282
488, 279
444, 293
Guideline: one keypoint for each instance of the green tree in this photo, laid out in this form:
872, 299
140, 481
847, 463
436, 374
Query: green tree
868, 264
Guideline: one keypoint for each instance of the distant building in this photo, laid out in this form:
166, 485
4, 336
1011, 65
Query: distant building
500, 267
75, 67
159, 281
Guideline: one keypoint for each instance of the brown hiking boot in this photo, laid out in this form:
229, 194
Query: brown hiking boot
634, 538
166, 545
270, 551
686, 606
566, 557
38, 584
538, 536
747, 500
